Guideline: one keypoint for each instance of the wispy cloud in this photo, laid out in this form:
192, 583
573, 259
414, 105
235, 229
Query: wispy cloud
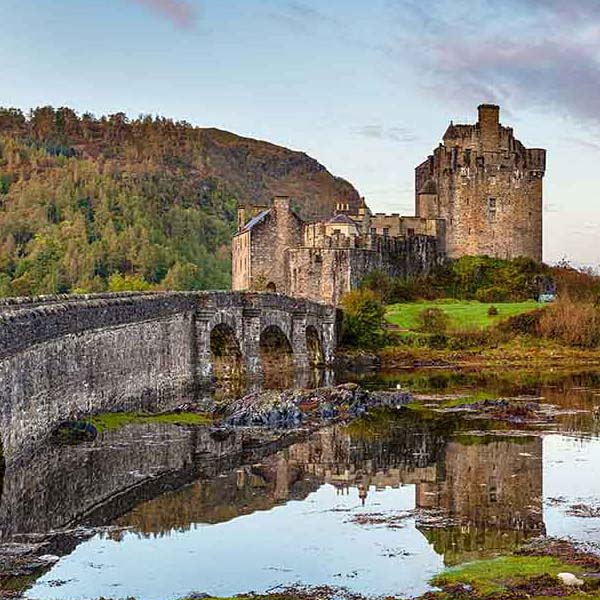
180, 13
538, 53
301, 17
400, 135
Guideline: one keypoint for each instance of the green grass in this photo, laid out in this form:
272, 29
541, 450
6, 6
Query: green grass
109, 421
463, 314
489, 576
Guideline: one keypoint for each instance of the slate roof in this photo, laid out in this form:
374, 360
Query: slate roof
341, 219
259, 218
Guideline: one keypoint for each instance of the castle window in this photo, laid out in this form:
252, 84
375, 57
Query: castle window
373, 230
386, 232
410, 232
492, 208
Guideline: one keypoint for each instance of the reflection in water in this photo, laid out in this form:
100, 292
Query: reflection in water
494, 490
189, 503
274, 379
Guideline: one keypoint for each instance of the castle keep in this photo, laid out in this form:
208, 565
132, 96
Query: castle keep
487, 187
479, 193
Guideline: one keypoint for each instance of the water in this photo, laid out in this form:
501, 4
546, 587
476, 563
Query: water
378, 507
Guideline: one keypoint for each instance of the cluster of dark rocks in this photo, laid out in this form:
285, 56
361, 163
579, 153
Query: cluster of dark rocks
292, 408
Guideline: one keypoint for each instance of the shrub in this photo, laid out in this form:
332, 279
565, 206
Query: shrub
128, 283
525, 323
438, 341
494, 294
576, 284
574, 323
492, 311
363, 314
433, 320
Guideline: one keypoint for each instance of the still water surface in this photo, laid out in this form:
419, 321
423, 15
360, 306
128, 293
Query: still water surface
377, 507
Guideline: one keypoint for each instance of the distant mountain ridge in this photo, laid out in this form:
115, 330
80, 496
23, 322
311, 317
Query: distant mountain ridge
92, 203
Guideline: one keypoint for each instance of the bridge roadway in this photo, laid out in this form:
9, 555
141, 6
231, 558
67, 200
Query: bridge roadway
63, 357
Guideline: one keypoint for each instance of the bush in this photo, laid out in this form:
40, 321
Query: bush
525, 323
574, 323
492, 311
363, 314
433, 320
576, 284
494, 294
128, 283
438, 341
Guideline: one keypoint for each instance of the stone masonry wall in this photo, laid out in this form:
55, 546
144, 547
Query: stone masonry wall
280, 229
327, 273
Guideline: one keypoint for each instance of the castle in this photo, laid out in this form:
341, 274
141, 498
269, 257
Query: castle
479, 193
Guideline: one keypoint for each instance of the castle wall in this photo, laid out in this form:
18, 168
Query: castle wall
241, 261
326, 274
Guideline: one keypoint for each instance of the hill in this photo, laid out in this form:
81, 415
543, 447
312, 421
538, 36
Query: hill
89, 204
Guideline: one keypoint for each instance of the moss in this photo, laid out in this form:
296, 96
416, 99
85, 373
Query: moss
110, 421
470, 399
499, 574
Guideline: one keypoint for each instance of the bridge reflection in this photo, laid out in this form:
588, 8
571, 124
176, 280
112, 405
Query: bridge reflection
156, 479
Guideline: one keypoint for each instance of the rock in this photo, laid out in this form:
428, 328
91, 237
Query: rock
570, 579
49, 558
289, 409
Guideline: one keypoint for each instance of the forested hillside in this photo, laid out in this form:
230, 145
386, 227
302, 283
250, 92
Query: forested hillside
89, 204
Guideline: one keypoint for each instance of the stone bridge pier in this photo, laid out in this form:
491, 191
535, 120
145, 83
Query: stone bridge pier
247, 334
66, 357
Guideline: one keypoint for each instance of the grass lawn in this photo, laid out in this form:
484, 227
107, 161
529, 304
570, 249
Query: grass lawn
464, 314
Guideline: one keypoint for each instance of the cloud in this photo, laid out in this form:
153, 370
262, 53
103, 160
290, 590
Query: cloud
538, 53
394, 134
300, 17
181, 13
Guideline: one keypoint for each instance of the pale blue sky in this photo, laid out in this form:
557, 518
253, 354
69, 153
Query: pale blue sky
367, 88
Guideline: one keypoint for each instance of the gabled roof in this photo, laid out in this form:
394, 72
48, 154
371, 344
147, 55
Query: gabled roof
259, 218
341, 219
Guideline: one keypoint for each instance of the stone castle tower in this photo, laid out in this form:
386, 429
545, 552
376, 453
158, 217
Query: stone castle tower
479, 193
487, 187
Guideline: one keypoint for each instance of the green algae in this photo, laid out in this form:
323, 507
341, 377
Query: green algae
112, 421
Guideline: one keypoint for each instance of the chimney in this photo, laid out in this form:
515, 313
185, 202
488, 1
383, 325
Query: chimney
489, 126
281, 203
241, 217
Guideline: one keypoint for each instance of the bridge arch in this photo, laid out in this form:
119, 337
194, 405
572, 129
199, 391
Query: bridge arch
276, 352
225, 351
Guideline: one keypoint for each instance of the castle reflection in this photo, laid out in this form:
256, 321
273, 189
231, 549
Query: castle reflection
489, 487
158, 479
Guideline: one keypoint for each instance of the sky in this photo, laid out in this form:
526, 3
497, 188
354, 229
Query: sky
365, 87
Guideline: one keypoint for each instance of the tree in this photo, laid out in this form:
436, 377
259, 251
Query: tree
363, 315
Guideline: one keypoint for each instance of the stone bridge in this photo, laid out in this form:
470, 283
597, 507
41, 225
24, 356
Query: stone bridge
63, 357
